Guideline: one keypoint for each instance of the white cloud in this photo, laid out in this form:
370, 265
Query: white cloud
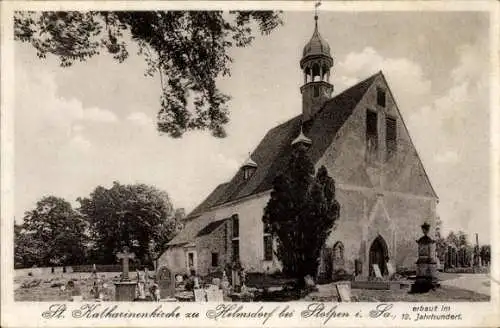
140, 118
80, 143
404, 76
99, 115
41, 110
457, 152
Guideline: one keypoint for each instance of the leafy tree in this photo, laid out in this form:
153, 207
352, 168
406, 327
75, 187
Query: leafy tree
441, 246
51, 234
452, 239
485, 253
138, 216
26, 250
301, 213
188, 50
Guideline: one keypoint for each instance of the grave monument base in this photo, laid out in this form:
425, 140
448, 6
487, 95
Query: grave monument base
380, 285
424, 285
125, 291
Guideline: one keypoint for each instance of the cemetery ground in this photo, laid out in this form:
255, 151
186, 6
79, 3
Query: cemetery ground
47, 287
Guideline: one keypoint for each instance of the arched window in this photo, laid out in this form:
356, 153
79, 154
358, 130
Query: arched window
338, 251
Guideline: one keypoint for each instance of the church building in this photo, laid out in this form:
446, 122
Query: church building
360, 137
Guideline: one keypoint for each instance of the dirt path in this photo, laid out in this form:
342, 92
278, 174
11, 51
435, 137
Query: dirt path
476, 282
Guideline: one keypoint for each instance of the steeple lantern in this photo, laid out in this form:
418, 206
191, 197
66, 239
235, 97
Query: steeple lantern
248, 168
316, 63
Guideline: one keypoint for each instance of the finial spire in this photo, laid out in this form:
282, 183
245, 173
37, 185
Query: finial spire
316, 5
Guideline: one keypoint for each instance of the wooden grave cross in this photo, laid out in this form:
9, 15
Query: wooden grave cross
125, 256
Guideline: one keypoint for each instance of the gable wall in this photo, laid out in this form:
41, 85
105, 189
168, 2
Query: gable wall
399, 184
218, 241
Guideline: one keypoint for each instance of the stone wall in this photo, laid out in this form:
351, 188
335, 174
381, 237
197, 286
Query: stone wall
386, 195
216, 242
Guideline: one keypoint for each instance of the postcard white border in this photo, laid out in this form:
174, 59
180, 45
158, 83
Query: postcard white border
25, 314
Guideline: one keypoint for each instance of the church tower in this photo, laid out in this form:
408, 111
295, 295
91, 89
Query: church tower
316, 63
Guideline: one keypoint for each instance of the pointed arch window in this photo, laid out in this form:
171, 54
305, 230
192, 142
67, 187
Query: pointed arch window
338, 251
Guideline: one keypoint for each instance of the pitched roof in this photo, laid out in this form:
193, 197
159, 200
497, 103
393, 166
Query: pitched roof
210, 201
274, 150
196, 228
209, 228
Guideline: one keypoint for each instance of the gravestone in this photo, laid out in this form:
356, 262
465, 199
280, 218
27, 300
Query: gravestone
390, 269
224, 283
236, 281
376, 270
309, 282
166, 283
214, 295
343, 291
200, 295
75, 294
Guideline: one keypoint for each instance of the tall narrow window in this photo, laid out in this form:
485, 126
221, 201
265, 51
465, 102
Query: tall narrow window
380, 97
236, 226
215, 259
371, 130
190, 259
391, 135
236, 250
316, 91
235, 243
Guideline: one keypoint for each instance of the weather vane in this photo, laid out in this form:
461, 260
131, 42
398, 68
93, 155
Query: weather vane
316, 5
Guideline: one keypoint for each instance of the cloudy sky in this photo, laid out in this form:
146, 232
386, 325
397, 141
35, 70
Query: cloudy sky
93, 123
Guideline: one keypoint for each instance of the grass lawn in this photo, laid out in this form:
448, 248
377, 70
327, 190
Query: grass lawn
442, 294
49, 288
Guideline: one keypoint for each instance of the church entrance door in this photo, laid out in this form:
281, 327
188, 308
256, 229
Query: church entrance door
379, 255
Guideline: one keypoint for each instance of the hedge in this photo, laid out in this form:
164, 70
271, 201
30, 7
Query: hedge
106, 268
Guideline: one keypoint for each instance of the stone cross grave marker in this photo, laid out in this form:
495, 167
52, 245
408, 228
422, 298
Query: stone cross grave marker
390, 269
125, 256
166, 283
376, 269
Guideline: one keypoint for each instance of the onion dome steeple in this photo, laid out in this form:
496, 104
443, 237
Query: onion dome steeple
316, 63
317, 45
